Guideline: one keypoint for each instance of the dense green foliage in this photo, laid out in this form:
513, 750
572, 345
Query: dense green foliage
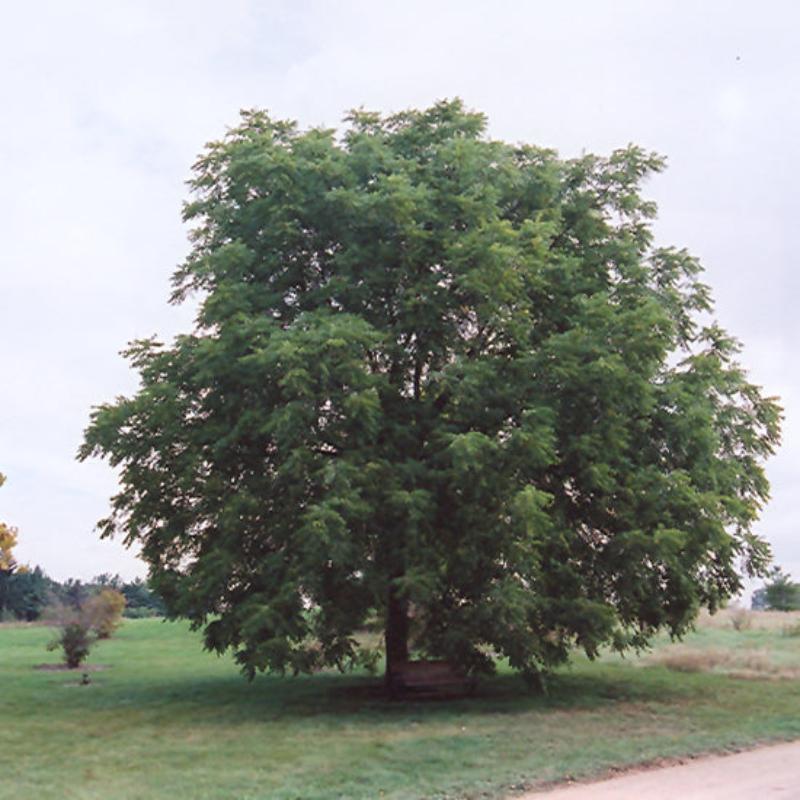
11, 589
443, 379
205, 734
74, 638
104, 611
779, 593
8, 540
140, 599
25, 594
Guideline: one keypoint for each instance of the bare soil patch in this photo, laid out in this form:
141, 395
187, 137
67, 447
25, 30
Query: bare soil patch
65, 668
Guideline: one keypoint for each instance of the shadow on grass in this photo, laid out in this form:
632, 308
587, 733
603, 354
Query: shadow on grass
336, 697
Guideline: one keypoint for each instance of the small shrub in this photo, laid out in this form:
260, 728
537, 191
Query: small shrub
741, 619
685, 660
75, 640
73, 633
103, 612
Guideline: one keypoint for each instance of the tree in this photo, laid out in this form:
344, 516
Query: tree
108, 581
441, 379
74, 593
28, 592
780, 592
758, 602
8, 541
8, 562
82, 619
140, 600
104, 612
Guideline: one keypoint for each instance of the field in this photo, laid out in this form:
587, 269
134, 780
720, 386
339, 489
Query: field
166, 720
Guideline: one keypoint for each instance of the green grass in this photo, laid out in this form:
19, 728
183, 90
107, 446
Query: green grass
167, 720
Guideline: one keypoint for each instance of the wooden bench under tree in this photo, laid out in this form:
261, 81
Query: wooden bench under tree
429, 679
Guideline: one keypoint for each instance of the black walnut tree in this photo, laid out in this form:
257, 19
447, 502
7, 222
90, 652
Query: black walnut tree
442, 380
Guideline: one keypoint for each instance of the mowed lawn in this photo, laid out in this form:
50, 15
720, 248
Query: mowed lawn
167, 720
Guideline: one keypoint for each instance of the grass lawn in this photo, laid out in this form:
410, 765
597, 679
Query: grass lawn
167, 720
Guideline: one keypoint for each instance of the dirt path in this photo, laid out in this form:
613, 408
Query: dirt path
761, 774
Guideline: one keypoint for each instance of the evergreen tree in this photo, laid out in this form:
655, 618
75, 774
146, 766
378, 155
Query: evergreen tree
28, 593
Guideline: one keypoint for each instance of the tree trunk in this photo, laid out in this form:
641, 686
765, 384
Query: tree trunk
396, 635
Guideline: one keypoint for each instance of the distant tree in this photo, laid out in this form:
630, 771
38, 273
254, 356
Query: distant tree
104, 611
141, 600
759, 600
73, 592
442, 377
8, 541
781, 593
8, 562
107, 580
29, 593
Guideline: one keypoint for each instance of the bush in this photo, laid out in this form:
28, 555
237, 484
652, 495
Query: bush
75, 639
741, 619
73, 634
682, 659
103, 612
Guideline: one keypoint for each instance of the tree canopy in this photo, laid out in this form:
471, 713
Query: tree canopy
780, 592
440, 380
8, 541
10, 569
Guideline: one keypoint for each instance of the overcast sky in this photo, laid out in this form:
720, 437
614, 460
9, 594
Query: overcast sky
106, 104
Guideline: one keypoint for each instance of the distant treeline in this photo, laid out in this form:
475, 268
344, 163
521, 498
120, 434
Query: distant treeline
25, 594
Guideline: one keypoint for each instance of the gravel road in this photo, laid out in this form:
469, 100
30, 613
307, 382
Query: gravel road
769, 772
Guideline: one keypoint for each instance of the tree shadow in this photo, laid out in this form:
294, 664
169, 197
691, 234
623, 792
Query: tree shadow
336, 697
